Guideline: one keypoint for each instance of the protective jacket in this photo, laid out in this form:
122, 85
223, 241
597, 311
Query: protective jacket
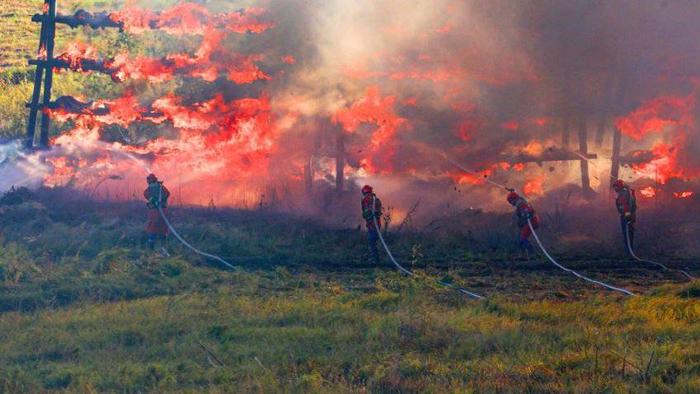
371, 210
626, 201
525, 211
157, 195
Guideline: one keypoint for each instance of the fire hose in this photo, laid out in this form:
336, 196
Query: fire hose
607, 286
182, 240
167, 222
534, 233
631, 251
407, 271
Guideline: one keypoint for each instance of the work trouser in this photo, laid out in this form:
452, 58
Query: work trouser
627, 225
372, 239
155, 238
524, 239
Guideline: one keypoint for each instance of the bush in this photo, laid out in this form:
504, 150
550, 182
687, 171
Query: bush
15, 264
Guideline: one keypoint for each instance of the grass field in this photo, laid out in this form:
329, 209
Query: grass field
87, 309
84, 307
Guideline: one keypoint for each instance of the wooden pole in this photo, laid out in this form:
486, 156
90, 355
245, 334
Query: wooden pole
50, 36
617, 136
309, 173
38, 76
340, 161
583, 150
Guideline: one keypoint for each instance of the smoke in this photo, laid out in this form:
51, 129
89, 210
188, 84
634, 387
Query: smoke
20, 169
384, 90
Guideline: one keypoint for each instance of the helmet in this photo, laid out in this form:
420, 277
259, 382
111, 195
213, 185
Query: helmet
513, 197
151, 178
618, 185
367, 189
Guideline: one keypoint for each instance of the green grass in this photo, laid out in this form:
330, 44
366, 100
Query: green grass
273, 332
86, 309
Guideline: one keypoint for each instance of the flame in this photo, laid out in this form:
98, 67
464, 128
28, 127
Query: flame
225, 161
478, 178
648, 192
667, 158
511, 125
190, 18
209, 62
685, 194
122, 111
42, 54
533, 148
533, 187
663, 166
377, 110
656, 116
418, 85
76, 53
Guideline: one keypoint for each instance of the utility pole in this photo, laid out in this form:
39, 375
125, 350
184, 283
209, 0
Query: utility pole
340, 160
43, 76
617, 135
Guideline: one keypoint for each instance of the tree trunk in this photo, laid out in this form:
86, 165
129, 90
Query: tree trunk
309, 174
340, 161
583, 150
604, 111
617, 136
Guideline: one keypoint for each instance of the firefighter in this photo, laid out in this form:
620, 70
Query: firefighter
626, 203
372, 213
157, 201
524, 212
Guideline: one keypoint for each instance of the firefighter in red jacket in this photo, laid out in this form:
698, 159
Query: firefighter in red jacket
157, 201
627, 208
372, 213
524, 212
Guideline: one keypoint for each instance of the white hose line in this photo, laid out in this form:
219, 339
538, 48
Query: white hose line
631, 251
534, 233
182, 240
404, 270
167, 222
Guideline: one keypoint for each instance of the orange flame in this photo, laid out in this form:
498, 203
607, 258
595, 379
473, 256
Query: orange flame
685, 194
655, 116
648, 192
377, 110
190, 18
76, 53
533, 187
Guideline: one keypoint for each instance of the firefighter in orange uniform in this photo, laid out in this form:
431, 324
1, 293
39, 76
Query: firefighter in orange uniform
372, 212
524, 212
157, 201
626, 203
